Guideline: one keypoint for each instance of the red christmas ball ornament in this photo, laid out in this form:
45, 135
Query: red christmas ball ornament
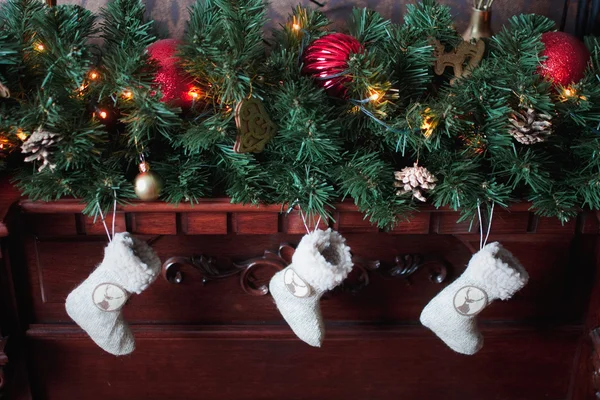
566, 58
326, 60
175, 86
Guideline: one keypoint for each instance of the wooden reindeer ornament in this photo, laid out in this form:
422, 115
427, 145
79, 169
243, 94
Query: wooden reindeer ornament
466, 52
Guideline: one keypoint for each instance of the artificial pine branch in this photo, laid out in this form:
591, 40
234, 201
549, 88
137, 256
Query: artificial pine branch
368, 26
430, 19
224, 47
304, 25
185, 179
325, 148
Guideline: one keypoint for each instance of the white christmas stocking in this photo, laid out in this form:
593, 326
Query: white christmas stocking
129, 266
493, 273
321, 262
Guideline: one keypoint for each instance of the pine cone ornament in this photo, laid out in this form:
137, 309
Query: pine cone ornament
414, 179
529, 126
38, 146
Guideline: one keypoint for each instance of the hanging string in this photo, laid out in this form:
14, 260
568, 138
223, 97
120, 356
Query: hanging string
318, 223
114, 215
490, 224
304, 221
316, 226
114, 211
483, 242
104, 222
480, 226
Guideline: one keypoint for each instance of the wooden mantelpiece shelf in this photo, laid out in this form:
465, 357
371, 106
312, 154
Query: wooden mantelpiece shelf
208, 328
219, 216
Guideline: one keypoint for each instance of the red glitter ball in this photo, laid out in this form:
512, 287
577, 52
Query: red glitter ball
567, 58
326, 60
174, 84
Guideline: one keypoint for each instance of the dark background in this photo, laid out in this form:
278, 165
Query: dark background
171, 15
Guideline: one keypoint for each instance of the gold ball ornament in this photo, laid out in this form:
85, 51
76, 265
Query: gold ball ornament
147, 184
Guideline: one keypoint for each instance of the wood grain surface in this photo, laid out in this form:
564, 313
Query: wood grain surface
211, 339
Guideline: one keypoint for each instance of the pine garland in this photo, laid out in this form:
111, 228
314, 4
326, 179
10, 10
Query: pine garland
325, 149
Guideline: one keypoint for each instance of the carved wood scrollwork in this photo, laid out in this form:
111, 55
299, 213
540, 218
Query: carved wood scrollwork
407, 264
171, 269
255, 273
404, 266
249, 281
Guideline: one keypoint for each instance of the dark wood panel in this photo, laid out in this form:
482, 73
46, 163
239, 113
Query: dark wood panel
213, 204
553, 225
215, 340
95, 227
585, 383
213, 217
57, 267
204, 223
590, 223
53, 224
269, 363
63, 264
447, 223
294, 225
9, 195
510, 222
256, 223
353, 222
207, 204
418, 223
154, 223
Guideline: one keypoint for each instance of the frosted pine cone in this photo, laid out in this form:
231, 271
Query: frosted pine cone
529, 126
415, 180
38, 146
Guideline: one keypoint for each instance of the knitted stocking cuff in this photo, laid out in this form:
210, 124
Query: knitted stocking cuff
322, 259
495, 270
131, 262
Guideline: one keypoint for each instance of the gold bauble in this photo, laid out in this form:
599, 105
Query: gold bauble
147, 186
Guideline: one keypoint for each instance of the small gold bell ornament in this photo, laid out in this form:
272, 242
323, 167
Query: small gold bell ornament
147, 184
480, 25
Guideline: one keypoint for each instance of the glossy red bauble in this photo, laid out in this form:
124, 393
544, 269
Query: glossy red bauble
326, 59
176, 87
566, 58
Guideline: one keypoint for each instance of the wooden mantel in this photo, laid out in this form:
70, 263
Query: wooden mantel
212, 213
208, 326
220, 216
9, 195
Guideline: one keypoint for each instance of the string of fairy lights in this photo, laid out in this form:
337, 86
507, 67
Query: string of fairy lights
374, 96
